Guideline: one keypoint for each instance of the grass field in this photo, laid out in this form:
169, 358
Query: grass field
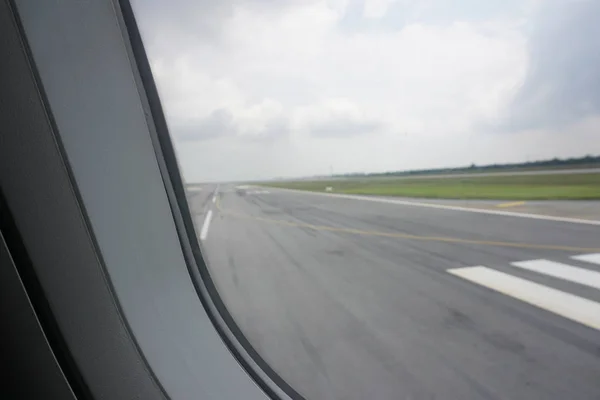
518, 187
482, 170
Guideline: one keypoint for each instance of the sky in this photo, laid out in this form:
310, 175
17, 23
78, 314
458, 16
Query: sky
261, 89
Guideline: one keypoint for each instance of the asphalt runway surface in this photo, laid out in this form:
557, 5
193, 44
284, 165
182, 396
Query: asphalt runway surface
364, 299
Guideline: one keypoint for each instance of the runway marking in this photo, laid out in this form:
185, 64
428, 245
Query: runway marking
408, 236
575, 308
215, 194
591, 258
510, 204
562, 271
250, 192
204, 231
450, 208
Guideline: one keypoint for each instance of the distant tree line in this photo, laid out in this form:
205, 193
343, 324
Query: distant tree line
587, 161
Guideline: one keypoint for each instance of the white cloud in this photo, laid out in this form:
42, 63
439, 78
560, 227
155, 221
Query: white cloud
199, 106
377, 8
293, 91
335, 117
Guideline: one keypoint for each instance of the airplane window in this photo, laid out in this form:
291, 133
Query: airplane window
395, 199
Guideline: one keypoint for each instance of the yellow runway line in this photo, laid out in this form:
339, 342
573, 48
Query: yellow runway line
511, 204
411, 237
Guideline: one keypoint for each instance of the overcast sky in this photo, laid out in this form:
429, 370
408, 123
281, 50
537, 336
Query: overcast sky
259, 89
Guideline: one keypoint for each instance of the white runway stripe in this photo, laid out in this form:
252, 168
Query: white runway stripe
591, 258
257, 192
567, 305
562, 271
204, 231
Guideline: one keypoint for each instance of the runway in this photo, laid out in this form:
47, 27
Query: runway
348, 298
